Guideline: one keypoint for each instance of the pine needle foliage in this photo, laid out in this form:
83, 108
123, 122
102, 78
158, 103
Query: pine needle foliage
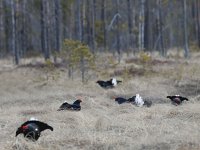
77, 55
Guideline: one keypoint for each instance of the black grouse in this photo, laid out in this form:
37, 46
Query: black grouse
108, 84
32, 129
177, 99
75, 106
133, 100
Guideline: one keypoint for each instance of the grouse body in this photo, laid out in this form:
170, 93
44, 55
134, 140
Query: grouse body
121, 100
32, 129
108, 84
136, 100
75, 106
177, 99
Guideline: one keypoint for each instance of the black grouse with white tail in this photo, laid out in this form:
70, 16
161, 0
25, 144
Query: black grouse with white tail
109, 84
136, 100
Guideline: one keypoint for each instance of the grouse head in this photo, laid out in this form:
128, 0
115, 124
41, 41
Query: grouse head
78, 101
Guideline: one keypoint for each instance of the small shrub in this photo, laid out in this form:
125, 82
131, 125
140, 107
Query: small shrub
50, 71
145, 57
146, 62
49, 64
77, 54
194, 47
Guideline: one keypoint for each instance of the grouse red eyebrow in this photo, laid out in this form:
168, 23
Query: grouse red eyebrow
25, 127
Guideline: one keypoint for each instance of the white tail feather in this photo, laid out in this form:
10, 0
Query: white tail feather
139, 101
32, 118
114, 81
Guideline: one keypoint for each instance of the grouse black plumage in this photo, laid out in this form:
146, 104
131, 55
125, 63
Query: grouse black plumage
132, 99
121, 100
32, 129
75, 106
108, 84
177, 99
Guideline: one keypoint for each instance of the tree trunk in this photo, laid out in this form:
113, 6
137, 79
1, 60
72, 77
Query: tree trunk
2, 39
117, 32
130, 25
160, 28
198, 21
82, 69
146, 27
45, 29
42, 22
57, 28
186, 49
171, 29
93, 24
80, 36
134, 35
82, 20
141, 26
24, 38
103, 23
58, 24
88, 25
47, 37
7, 31
14, 48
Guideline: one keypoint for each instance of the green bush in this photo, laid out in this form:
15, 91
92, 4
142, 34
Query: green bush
77, 54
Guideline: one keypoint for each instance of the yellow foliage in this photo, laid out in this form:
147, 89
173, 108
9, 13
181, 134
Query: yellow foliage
126, 73
49, 64
194, 47
144, 57
50, 71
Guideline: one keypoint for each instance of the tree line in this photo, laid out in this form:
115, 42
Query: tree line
39, 27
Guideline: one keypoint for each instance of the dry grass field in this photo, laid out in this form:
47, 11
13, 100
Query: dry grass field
31, 91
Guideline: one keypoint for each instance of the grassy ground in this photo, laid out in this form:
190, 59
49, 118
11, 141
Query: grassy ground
103, 124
